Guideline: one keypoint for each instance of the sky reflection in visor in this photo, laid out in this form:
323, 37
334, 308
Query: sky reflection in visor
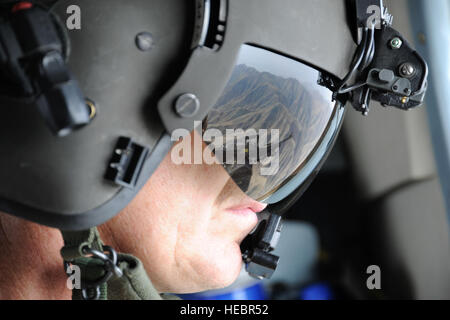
277, 94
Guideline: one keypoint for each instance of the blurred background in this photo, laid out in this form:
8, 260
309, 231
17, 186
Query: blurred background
382, 198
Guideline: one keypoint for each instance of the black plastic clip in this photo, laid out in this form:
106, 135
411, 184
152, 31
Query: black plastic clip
256, 248
126, 163
33, 69
385, 67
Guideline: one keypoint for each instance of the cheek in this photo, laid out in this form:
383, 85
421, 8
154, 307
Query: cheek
199, 250
207, 254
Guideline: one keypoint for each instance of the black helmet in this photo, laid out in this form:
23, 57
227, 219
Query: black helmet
91, 93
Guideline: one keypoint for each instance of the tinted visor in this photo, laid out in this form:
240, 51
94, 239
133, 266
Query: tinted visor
272, 116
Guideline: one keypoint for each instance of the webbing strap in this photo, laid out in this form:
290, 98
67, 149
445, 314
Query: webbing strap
134, 284
91, 268
75, 241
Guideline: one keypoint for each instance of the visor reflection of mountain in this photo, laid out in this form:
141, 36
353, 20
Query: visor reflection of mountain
241, 173
261, 100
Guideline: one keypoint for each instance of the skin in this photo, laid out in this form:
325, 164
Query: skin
185, 225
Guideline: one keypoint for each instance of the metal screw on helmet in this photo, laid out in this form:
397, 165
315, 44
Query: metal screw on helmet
144, 41
407, 70
187, 105
396, 43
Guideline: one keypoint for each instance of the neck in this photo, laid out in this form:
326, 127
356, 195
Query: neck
30, 264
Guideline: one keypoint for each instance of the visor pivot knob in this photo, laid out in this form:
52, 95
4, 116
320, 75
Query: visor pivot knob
144, 41
187, 105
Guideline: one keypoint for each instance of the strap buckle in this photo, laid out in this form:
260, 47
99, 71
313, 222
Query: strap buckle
90, 290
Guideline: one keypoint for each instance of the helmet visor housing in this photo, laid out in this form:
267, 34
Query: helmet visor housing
271, 116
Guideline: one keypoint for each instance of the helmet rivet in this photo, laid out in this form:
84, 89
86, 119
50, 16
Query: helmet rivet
187, 105
92, 109
396, 43
407, 70
144, 41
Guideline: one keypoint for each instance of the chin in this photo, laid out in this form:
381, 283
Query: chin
215, 268
228, 268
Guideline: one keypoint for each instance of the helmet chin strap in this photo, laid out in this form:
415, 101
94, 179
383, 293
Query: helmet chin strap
97, 272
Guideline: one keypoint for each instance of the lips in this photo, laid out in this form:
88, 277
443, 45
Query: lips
249, 207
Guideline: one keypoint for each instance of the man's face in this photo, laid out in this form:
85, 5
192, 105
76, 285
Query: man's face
190, 221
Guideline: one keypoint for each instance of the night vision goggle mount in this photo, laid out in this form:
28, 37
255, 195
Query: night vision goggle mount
33, 70
385, 68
